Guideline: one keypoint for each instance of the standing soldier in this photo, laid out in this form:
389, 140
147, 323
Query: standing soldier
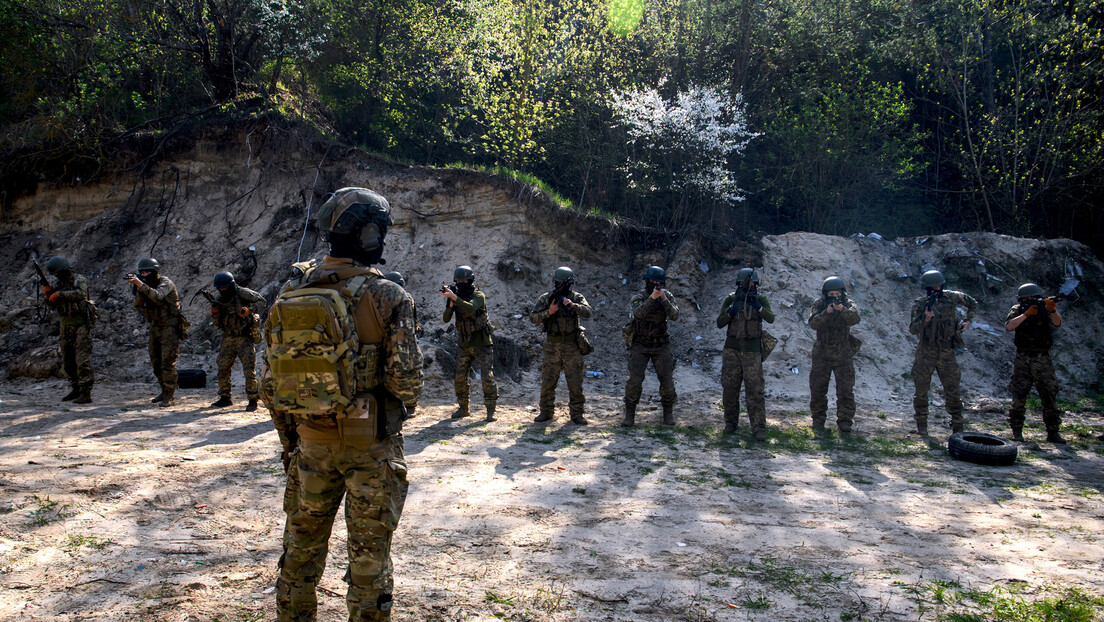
336, 444
650, 341
156, 297
234, 312
473, 344
934, 320
70, 299
1034, 319
832, 317
558, 311
742, 314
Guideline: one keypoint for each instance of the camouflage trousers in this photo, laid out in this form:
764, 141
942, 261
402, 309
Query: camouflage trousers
1034, 368
663, 362
76, 355
483, 358
164, 348
819, 376
235, 349
564, 357
371, 476
743, 368
943, 362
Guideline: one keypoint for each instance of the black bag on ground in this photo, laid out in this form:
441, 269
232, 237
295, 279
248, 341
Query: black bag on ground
191, 379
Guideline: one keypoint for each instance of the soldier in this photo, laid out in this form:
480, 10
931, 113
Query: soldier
70, 299
156, 297
355, 449
1034, 319
234, 311
396, 277
742, 314
934, 320
650, 341
473, 343
832, 317
558, 311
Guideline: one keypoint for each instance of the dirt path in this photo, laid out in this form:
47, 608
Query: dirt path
118, 511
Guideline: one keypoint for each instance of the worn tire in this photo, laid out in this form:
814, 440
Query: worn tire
191, 379
982, 448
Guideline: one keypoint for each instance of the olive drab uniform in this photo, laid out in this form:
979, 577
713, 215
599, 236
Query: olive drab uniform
651, 342
354, 451
74, 307
742, 359
237, 338
935, 351
561, 352
160, 305
473, 345
833, 353
1032, 366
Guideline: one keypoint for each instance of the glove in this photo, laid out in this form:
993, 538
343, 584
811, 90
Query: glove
52, 298
47, 290
214, 311
755, 304
1051, 305
244, 312
1032, 310
733, 310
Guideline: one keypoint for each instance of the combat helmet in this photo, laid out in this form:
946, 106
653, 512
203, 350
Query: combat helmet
395, 277
1027, 290
833, 283
463, 273
563, 274
356, 215
148, 263
932, 278
655, 273
746, 273
58, 264
224, 279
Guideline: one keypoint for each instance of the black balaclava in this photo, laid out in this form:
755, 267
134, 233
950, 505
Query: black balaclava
152, 279
227, 294
465, 289
349, 246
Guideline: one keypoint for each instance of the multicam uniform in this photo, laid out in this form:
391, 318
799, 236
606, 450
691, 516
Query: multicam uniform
651, 342
474, 345
1034, 338
742, 359
161, 307
362, 458
833, 353
72, 303
237, 339
561, 351
936, 352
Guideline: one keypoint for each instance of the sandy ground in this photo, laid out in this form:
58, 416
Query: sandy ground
117, 510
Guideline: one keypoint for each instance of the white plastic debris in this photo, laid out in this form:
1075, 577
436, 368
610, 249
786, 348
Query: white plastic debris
704, 266
874, 236
795, 370
517, 316
697, 338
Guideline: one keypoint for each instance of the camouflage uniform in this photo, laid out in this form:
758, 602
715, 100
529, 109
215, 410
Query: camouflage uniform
561, 352
651, 342
237, 339
473, 345
161, 307
71, 301
1034, 338
348, 456
936, 352
742, 359
833, 353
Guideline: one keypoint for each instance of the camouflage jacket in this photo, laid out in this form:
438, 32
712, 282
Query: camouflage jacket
1036, 333
160, 305
565, 323
944, 330
472, 323
649, 317
745, 326
833, 329
229, 321
72, 304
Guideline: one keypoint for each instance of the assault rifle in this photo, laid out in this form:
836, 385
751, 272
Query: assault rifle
933, 297
835, 300
41, 275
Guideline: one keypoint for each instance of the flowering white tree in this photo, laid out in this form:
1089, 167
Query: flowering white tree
682, 146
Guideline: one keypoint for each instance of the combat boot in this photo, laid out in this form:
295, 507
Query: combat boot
1054, 437
956, 426
578, 419
73, 394
818, 427
922, 427
630, 416
222, 402
668, 414
168, 400
160, 396
85, 396
760, 434
251, 406
544, 416
461, 411
491, 411
1017, 434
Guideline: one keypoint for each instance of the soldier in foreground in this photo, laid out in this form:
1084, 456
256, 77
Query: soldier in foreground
473, 343
742, 315
235, 311
338, 410
832, 317
156, 297
69, 298
648, 340
558, 313
1034, 318
934, 320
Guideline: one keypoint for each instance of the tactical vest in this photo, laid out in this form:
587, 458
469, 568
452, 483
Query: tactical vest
565, 322
233, 324
468, 325
652, 328
942, 331
1035, 333
747, 324
166, 313
834, 339
76, 312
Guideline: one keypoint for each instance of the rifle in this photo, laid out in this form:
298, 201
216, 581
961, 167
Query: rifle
206, 294
41, 275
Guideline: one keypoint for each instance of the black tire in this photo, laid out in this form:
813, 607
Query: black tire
982, 448
191, 379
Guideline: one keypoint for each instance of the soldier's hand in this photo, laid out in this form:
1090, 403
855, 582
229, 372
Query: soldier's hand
1032, 310
965, 325
568, 303
755, 304
448, 293
553, 308
214, 311
1051, 305
837, 306
657, 293
134, 280
244, 312
928, 315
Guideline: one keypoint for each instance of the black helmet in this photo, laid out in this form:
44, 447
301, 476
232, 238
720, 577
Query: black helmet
1027, 290
932, 278
655, 273
563, 274
149, 263
463, 273
746, 273
358, 216
58, 264
224, 279
395, 277
833, 283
